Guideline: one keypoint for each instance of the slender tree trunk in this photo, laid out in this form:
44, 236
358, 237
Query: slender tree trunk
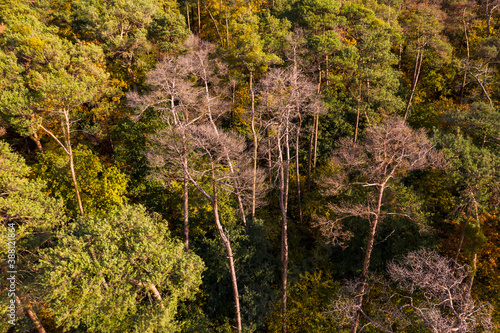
315, 154
269, 160
255, 147
32, 315
67, 134
187, 16
226, 155
227, 24
316, 126
199, 19
229, 251
366, 262
468, 58
357, 116
309, 157
418, 65
474, 252
297, 169
400, 57
482, 87
215, 24
37, 141
313, 141
284, 231
185, 194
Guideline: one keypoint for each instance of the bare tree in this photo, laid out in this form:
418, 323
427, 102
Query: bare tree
387, 153
221, 149
436, 290
285, 95
190, 97
173, 96
425, 289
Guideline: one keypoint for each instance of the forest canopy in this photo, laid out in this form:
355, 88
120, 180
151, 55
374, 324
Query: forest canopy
250, 166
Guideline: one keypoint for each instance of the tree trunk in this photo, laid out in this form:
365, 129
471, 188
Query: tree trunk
255, 147
357, 119
67, 135
37, 141
229, 251
297, 169
227, 24
366, 262
185, 194
32, 315
187, 16
315, 154
309, 155
418, 65
284, 231
215, 24
227, 157
460, 241
474, 252
199, 19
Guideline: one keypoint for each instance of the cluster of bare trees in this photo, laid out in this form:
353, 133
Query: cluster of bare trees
188, 92
424, 290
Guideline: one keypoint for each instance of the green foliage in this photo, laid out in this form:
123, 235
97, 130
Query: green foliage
307, 301
101, 271
102, 187
26, 208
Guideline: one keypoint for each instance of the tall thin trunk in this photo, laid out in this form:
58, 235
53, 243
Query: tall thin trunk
226, 155
309, 156
316, 126
32, 315
227, 24
297, 169
474, 251
460, 241
255, 147
416, 73
269, 160
400, 56
199, 19
366, 262
315, 155
229, 251
297, 137
284, 230
215, 23
67, 134
187, 15
468, 58
358, 100
65, 126
185, 195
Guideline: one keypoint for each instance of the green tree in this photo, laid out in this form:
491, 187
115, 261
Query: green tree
369, 75
57, 80
118, 273
102, 187
473, 172
423, 26
29, 215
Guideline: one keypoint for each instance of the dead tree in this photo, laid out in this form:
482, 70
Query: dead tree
173, 96
424, 289
387, 153
435, 290
220, 149
285, 96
